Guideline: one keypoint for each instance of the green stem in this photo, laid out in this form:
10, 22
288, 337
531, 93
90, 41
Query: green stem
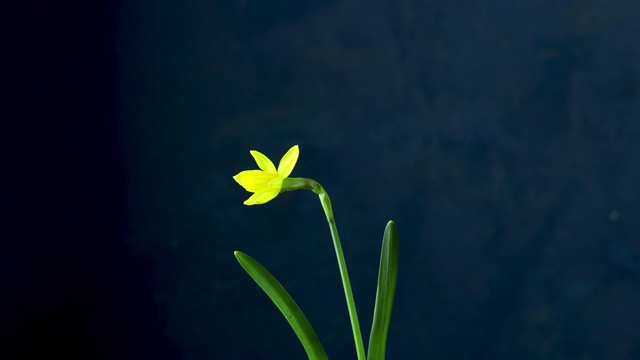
290, 184
346, 284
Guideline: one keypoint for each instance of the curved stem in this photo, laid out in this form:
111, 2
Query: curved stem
290, 184
346, 284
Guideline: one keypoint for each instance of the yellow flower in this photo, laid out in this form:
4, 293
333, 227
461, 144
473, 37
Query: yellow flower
266, 183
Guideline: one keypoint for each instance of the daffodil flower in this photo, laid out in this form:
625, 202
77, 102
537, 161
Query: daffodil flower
266, 183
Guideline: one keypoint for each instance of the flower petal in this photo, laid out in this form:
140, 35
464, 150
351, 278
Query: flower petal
255, 180
276, 184
263, 162
288, 162
261, 198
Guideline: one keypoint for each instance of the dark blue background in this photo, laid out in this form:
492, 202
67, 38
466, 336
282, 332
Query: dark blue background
501, 136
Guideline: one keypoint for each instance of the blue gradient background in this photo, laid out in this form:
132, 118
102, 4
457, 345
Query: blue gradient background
501, 136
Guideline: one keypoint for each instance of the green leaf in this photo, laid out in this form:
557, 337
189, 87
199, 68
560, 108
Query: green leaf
286, 304
387, 277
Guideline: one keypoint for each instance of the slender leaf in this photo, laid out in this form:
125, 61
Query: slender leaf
385, 293
286, 304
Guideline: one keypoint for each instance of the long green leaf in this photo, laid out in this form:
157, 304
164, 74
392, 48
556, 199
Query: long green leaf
385, 293
286, 304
